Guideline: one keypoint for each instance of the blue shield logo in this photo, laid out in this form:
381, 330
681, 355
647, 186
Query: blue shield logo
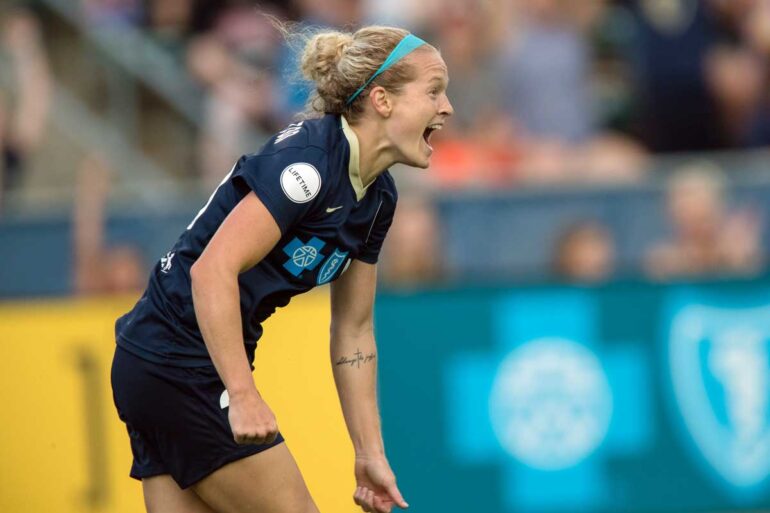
331, 265
720, 373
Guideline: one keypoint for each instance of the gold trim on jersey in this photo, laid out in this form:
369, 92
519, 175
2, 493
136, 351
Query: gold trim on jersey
354, 170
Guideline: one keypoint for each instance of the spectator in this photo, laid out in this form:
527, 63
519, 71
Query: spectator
545, 69
706, 238
412, 252
738, 71
585, 253
232, 62
675, 110
111, 13
172, 23
411, 15
99, 268
479, 146
488, 155
737, 79
330, 13
25, 94
755, 27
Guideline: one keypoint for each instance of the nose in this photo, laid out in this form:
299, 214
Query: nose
446, 107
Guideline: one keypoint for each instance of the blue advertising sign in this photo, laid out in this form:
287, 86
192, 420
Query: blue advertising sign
565, 399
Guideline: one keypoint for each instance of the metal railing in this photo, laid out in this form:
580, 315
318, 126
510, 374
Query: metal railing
145, 61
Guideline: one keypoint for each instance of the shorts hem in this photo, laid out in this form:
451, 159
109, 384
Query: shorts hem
224, 460
140, 475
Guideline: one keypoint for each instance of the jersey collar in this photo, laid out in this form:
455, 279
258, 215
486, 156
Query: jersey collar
354, 170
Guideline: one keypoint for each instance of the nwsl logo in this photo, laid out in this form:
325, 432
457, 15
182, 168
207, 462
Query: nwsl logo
720, 372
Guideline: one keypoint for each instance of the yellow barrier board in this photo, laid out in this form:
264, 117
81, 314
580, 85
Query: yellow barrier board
63, 448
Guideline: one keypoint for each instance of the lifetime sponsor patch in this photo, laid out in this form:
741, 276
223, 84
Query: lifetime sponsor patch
300, 182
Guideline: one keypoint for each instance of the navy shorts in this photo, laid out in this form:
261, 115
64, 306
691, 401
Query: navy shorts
174, 419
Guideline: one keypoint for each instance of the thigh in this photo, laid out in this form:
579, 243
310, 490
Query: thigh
267, 482
163, 495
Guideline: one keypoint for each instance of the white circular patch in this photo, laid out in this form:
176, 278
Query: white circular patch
300, 182
224, 400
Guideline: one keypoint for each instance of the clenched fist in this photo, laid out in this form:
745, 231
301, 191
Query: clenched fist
251, 419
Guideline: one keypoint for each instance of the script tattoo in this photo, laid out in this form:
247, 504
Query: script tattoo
357, 360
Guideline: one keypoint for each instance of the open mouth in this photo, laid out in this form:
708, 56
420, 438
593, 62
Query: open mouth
429, 131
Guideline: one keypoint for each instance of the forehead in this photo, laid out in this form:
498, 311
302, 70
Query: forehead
429, 64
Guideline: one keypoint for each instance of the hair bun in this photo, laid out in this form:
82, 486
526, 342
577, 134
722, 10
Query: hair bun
323, 53
338, 63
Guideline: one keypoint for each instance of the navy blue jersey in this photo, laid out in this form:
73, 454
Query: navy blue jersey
308, 178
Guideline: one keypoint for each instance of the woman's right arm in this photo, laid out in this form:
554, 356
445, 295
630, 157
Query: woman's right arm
243, 239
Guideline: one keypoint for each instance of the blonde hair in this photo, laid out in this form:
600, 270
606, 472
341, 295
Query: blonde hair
703, 175
338, 63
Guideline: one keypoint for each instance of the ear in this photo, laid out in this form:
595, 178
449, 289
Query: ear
381, 101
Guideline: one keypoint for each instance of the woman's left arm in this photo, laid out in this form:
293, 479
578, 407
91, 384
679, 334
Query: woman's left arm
354, 362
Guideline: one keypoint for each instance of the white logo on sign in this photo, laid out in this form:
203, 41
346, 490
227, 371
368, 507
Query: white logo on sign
551, 403
300, 182
720, 370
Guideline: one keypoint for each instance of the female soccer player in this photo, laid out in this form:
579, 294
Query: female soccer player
312, 207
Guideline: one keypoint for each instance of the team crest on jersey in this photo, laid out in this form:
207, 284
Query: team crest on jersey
331, 265
300, 182
303, 256
720, 372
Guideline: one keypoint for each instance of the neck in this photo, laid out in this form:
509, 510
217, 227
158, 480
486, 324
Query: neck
377, 154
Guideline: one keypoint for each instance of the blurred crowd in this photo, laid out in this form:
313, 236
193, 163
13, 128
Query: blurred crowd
545, 92
25, 94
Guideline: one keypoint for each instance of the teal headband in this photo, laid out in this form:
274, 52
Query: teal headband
402, 49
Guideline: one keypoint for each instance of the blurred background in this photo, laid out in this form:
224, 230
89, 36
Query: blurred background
574, 309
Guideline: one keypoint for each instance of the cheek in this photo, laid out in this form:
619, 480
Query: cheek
408, 127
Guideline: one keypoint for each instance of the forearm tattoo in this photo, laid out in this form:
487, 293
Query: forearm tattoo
356, 359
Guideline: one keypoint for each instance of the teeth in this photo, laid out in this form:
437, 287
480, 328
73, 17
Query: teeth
435, 127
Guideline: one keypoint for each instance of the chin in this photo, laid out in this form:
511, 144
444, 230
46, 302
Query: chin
423, 160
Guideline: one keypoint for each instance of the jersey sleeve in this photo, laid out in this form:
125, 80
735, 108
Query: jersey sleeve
290, 183
379, 229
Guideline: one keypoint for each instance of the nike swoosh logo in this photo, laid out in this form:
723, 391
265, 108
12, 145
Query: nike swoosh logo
332, 209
